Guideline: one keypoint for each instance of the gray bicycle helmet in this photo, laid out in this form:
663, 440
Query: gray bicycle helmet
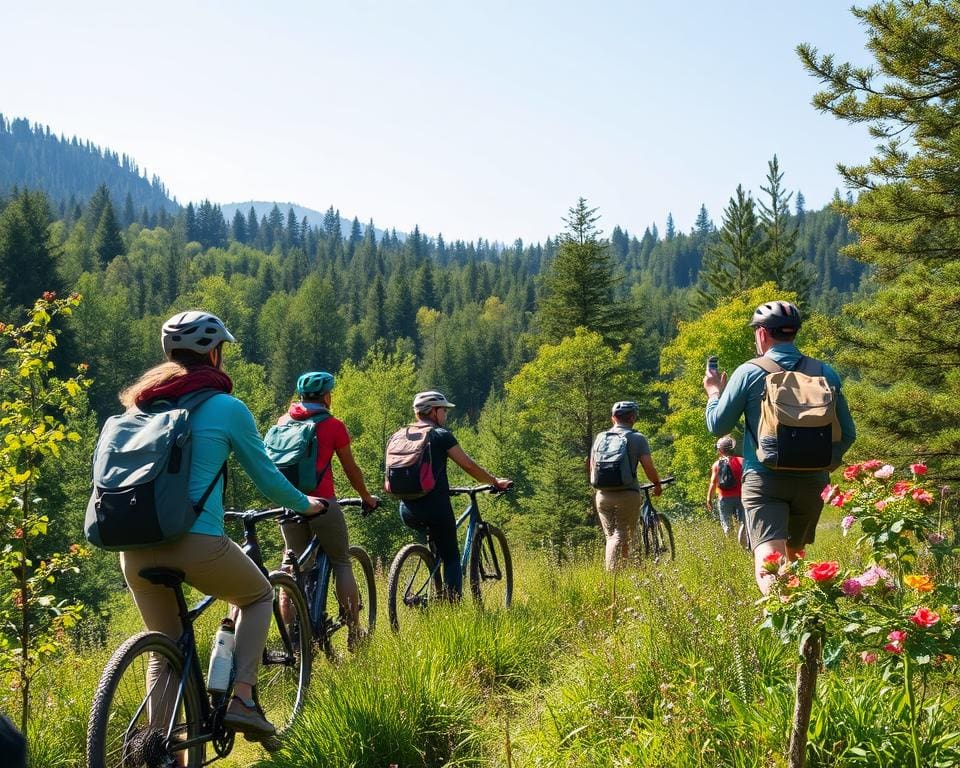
777, 316
726, 444
424, 401
315, 383
196, 331
624, 407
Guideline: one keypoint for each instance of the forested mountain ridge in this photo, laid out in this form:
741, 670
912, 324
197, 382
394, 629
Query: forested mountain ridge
262, 208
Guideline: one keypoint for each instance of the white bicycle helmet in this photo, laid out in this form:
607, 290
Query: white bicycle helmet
424, 401
196, 331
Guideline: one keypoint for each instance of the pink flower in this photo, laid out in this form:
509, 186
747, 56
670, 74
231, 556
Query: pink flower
901, 487
847, 523
872, 576
873, 464
824, 571
880, 505
827, 493
922, 496
868, 657
925, 618
896, 639
851, 587
918, 469
936, 538
884, 472
851, 472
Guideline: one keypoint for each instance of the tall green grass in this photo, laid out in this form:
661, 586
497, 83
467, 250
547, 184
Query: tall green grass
659, 665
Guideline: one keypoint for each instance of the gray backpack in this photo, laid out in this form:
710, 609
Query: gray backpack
610, 468
141, 476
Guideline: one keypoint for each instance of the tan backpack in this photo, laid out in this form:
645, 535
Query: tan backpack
798, 417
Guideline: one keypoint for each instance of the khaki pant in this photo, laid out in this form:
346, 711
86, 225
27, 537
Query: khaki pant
619, 513
216, 566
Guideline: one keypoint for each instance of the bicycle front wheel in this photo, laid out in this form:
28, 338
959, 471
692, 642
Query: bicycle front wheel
658, 537
491, 568
135, 704
338, 639
284, 674
413, 583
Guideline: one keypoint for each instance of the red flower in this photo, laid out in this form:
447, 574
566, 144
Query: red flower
924, 617
823, 571
922, 496
851, 472
801, 553
771, 563
49, 295
870, 466
901, 487
842, 499
896, 639
918, 469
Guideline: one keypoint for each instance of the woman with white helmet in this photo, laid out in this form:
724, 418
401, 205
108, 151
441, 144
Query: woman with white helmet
193, 345
433, 513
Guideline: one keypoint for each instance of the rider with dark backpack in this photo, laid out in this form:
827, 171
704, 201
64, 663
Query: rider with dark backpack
613, 462
302, 444
416, 472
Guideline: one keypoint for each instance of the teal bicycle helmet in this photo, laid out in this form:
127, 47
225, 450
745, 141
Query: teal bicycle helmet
314, 383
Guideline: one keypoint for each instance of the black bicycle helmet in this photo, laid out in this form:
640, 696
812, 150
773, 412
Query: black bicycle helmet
780, 316
625, 407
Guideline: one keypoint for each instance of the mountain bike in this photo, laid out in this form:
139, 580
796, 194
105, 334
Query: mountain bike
656, 531
151, 709
329, 620
414, 581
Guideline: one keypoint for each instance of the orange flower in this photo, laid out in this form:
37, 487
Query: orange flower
919, 582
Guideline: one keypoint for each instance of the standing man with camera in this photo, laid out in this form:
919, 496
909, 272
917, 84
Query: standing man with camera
786, 458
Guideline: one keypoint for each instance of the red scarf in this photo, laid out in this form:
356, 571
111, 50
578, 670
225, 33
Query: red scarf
197, 377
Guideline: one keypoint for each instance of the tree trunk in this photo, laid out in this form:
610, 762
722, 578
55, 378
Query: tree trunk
806, 688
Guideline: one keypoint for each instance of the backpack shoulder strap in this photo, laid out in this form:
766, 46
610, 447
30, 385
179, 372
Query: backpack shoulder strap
809, 366
768, 365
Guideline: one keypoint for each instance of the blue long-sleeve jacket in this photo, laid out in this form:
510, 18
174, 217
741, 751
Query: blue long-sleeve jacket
220, 425
742, 397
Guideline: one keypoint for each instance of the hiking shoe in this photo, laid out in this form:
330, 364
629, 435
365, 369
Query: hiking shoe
246, 718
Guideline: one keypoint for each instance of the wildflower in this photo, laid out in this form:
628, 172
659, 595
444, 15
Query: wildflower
824, 571
918, 469
842, 499
901, 487
847, 523
74, 549
936, 538
873, 575
827, 493
793, 582
921, 583
896, 638
771, 563
873, 464
851, 587
851, 472
868, 657
881, 505
922, 496
924, 617
49, 295
18, 533
884, 472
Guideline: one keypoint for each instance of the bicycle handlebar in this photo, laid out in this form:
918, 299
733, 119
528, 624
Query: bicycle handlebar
663, 481
487, 488
286, 515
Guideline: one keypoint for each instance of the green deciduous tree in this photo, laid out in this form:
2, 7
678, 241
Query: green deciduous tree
903, 340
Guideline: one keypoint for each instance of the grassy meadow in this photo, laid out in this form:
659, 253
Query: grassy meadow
663, 665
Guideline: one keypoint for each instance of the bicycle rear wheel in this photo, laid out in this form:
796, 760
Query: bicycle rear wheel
491, 568
284, 674
658, 537
413, 583
337, 641
130, 715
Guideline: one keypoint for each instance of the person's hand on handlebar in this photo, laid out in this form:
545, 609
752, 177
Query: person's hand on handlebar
369, 503
502, 483
657, 488
317, 506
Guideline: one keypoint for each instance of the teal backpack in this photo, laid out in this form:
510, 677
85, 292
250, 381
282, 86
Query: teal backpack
141, 476
292, 446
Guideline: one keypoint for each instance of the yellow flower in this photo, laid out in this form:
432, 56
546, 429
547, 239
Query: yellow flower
921, 583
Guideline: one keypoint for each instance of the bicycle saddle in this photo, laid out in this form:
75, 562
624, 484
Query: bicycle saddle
164, 577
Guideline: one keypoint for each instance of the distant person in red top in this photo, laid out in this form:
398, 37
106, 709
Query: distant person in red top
726, 481
314, 390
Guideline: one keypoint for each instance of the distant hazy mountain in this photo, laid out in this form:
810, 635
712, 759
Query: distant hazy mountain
34, 158
313, 217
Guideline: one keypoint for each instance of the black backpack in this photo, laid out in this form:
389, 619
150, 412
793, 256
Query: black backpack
725, 477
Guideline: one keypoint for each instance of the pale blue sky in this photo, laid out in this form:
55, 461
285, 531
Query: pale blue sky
474, 119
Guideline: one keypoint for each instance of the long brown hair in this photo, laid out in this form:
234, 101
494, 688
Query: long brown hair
183, 360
